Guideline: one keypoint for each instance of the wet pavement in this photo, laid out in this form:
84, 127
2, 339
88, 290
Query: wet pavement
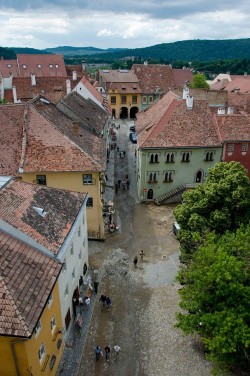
144, 298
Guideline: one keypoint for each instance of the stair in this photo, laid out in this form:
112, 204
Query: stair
174, 192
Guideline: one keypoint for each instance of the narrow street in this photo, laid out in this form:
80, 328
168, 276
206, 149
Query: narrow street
144, 298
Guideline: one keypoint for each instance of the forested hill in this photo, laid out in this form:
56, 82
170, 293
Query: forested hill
189, 50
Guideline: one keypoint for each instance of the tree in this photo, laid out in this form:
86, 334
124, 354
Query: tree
222, 203
199, 82
216, 298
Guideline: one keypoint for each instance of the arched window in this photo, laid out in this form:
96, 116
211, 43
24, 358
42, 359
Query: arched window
170, 176
207, 156
172, 157
211, 156
152, 158
156, 158
150, 176
155, 176
168, 158
183, 157
187, 157
166, 176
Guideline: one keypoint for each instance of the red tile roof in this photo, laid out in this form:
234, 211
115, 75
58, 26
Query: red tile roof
154, 76
181, 76
8, 67
116, 76
27, 278
42, 65
17, 202
53, 88
12, 120
234, 127
169, 123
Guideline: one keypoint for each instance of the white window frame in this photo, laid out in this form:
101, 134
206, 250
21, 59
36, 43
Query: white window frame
87, 179
38, 328
50, 300
41, 352
53, 324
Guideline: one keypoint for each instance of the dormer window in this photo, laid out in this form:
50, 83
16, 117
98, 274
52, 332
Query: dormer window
39, 66
51, 66
24, 66
57, 66
9, 65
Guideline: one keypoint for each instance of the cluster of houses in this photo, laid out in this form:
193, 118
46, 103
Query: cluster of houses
55, 141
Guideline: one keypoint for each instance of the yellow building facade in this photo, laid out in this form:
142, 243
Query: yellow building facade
40, 354
87, 182
124, 104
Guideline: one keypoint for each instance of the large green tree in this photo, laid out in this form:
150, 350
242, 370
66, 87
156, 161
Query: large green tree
199, 82
216, 298
221, 203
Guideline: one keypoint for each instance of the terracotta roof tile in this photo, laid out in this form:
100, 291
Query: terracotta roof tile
115, 76
153, 76
23, 270
42, 65
181, 76
234, 127
17, 202
169, 123
8, 67
11, 129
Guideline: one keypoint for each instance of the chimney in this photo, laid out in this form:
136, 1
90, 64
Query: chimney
14, 94
33, 79
230, 111
145, 62
185, 93
83, 66
221, 111
68, 87
74, 76
245, 73
189, 102
75, 128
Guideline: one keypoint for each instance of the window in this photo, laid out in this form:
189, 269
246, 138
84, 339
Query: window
144, 99
244, 148
51, 66
41, 353
41, 179
124, 99
154, 158
52, 361
170, 158
38, 328
9, 65
57, 66
39, 66
150, 99
134, 98
185, 157
53, 324
50, 300
71, 250
113, 100
24, 66
152, 177
64, 268
168, 176
87, 179
66, 291
89, 203
73, 275
209, 156
230, 148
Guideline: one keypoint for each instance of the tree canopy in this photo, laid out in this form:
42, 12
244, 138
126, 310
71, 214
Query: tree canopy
199, 82
216, 298
221, 203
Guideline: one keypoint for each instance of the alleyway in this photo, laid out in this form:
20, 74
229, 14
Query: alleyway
144, 299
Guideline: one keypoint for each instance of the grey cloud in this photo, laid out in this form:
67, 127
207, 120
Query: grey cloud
168, 9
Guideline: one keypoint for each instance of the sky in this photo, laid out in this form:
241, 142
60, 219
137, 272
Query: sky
106, 24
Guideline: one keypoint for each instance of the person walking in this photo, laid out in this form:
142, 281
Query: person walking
142, 254
102, 300
117, 351
107, 352
108, 302
119, 183
135, 261
116, 188
98, 352
127, 182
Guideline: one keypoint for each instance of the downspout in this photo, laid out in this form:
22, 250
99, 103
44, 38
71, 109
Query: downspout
12, 343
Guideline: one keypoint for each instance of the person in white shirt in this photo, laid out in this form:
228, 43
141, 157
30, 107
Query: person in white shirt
117, 350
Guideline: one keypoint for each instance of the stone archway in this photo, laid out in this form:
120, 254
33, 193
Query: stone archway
123, 113
150, 194
113, 113
133, 112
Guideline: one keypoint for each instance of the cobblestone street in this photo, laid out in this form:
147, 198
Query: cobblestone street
144, 298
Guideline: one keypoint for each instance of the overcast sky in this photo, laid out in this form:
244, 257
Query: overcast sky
115, 23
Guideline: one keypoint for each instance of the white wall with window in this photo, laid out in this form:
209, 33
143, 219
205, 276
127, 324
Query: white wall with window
75, 244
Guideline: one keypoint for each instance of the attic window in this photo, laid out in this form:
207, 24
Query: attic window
40, 211
9, 65
134, 88
57, 66
123, 88
24, 66
39, 66
51, 66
